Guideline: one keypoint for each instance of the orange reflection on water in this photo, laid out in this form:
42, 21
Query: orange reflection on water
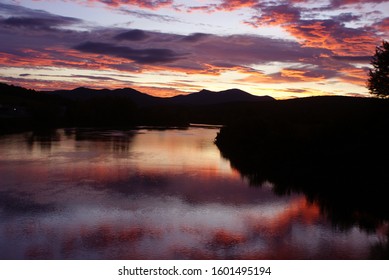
160, 195
158, 236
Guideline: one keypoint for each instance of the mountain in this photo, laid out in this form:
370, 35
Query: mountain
203, 97
207, 97
84, 94
21, 108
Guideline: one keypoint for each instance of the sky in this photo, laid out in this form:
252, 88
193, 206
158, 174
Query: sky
281, 48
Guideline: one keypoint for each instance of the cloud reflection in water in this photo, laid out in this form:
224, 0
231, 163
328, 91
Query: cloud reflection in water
167, 195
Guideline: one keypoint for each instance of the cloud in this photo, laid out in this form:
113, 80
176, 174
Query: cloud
293, 75
17, 10
382, 27
354, 75
278, 15
13, 16
230, 5
211, 8
141, 51
330, 34
132, 35
334, 36
248, 49
142, 56
148, 15
306, 75
323, 49
148, 4
298, 90
346, 17
32, 23
195, 37
339, 3
353, 59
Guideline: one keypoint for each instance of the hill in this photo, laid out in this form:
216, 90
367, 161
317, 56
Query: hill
85, 94
203, 97
207, 97
21, 108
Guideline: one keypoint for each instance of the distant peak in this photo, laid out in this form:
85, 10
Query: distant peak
81, 88
204, 91
235, 91
84, 89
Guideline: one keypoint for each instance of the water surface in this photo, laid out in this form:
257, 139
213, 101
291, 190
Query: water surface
152, 194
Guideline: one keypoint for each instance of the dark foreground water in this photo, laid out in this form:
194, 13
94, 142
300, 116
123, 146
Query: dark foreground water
152, 194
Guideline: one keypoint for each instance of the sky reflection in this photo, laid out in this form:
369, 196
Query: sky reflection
168, 194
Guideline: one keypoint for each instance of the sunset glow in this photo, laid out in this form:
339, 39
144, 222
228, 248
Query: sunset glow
281, 48
152, 194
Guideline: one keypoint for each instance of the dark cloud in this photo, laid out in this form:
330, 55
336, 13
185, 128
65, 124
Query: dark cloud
14, 16
347, 17
132, 35
297, 90
17, 10
195, 37
97, 78
247, 49
353, 59
142, 56
48, 23
90, 77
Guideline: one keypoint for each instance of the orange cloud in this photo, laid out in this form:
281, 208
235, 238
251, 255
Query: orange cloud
230, 5
50, 57
327, 34
332, 36
289, 75
300, 75
356, 76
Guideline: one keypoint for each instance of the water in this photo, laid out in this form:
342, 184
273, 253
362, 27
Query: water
152, 194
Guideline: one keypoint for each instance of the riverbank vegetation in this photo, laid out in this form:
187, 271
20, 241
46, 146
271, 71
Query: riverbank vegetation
332, 149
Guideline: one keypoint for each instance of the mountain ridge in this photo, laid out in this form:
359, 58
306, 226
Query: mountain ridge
203, 97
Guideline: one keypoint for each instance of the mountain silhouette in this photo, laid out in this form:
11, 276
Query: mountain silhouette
207, 97
21, 108
203, 97
85, 94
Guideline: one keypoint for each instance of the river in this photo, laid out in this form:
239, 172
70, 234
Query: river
152, 194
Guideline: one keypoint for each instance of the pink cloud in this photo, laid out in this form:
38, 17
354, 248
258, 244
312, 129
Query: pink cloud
230, 5
325, 33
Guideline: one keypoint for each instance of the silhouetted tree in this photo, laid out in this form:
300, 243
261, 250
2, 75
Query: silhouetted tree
378, 82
